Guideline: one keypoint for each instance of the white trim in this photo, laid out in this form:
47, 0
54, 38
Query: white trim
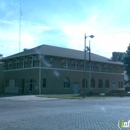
61, 69
22, 69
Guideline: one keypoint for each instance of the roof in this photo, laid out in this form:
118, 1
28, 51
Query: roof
62, 52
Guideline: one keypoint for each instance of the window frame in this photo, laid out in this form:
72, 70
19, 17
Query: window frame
44, 83
100, 83
66, 83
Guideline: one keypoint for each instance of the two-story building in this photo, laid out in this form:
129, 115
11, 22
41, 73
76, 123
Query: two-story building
1, 77
48, 69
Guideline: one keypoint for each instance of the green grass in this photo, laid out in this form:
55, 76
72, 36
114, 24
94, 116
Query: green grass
73, 96
62, 96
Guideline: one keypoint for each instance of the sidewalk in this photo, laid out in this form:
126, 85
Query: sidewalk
23, 97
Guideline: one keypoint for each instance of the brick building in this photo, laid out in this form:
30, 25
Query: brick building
1, 77
48, 69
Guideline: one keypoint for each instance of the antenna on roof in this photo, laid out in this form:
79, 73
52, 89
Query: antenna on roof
20, 13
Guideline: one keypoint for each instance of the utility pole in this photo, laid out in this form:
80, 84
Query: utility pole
88, 49
89, 65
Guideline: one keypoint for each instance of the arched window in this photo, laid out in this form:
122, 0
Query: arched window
92, 83
100, 83
83, 83
66, 83
107, 84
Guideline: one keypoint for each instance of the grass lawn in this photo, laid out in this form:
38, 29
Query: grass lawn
74, 96
62, 96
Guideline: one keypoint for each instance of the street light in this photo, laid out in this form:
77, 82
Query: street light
88, 49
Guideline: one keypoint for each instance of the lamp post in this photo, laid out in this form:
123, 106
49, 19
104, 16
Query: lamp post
89, 65
88, 49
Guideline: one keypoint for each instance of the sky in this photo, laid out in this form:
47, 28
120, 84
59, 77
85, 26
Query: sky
64, 23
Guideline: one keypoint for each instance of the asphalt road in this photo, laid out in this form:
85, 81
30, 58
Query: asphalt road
35, 113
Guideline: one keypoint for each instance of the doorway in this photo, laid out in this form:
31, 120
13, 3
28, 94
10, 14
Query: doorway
31, 86
76, 88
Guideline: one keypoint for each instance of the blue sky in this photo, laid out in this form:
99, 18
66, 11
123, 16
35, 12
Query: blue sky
63, 23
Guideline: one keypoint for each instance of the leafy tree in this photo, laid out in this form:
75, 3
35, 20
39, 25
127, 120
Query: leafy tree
127, 61
118, 56
121, 57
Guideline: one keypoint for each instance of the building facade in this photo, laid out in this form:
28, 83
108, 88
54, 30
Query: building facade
52, 70
1, 77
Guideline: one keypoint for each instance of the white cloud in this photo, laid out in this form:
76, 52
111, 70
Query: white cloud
103, 43
9, 36
63, 32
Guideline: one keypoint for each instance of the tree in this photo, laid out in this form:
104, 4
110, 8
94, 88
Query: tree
118, 56
127, 61
121, 56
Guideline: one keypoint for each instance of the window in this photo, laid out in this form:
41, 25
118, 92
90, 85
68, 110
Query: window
62, 62
83, 83
82, 65
11, 65
51, 60
23, 63
8, 65
76, 65
5, 66
100, 68
32, 61
72, 63
67, 64
15, 64
44, 83
31, 86
114, 86
18, 63
107, 85
92, 83
66, 83
92, 66
106, 68
100, 83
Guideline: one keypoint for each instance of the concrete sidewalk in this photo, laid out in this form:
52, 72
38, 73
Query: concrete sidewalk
25, 97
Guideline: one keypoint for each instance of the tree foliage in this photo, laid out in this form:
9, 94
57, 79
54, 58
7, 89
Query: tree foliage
121, 57
127, 61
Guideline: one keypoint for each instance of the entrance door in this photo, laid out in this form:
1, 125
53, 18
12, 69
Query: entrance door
31, 86
76, 88
23, 83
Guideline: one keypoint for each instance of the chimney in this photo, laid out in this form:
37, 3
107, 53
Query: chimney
1, 56
25, 49
114, 56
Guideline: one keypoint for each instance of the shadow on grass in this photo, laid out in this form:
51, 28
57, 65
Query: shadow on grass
62, 96
76, 96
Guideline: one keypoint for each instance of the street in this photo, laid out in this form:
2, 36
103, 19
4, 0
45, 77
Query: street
35, 113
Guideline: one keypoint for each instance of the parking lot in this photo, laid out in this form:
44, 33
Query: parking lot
36, 113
